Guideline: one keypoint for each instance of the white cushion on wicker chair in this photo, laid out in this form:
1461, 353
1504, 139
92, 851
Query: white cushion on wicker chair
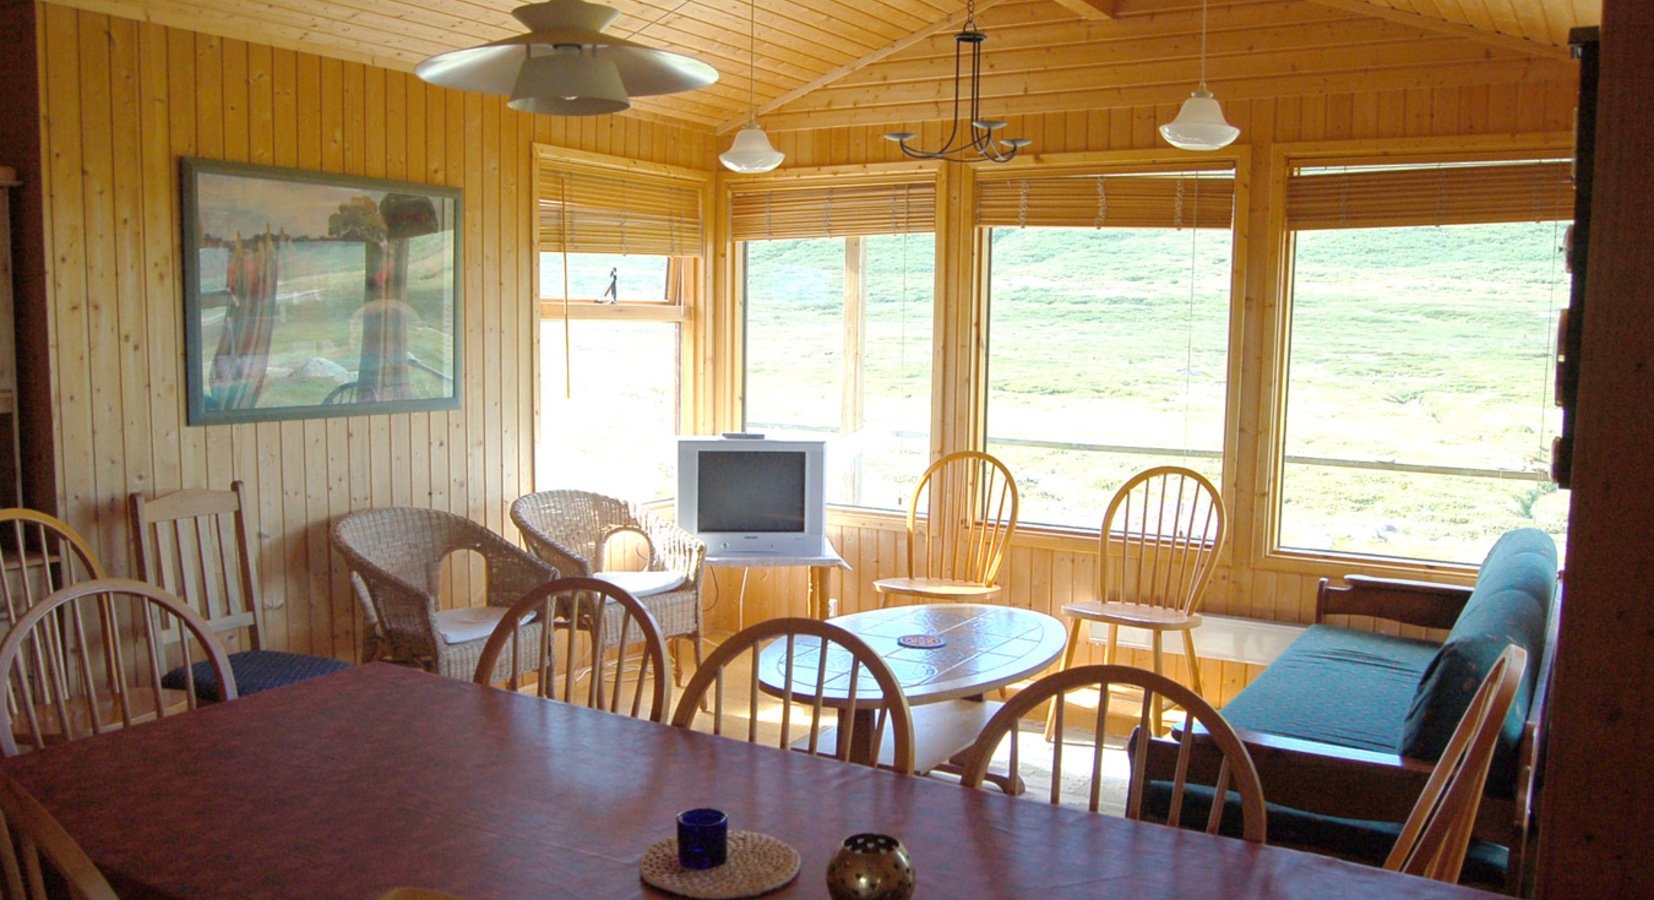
467, 623
643, 584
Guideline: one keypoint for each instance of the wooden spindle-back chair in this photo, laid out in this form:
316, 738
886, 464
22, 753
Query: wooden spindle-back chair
1235, 772
89, 659
1437, 833
959, 523
33, 843
821, 668
1159, 545
635, 679
194, 543
38, 555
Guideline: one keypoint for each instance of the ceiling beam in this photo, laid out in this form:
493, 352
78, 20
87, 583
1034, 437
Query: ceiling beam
1413, 19
1091, 9
855, 65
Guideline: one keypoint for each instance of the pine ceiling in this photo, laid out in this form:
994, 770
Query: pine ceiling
876, 62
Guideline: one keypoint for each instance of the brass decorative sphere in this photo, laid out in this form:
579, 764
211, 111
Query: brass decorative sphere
870, 867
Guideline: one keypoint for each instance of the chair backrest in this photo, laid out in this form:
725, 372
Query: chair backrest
42, 554
961, 518
194, 544
89, 659
407, 547
635, 682
568, 528
1437, 832
1235, 771
31, 842
1160, 540
817, 665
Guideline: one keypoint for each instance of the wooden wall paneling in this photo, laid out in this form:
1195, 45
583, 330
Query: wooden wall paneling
476, 259
405, 160
493, 215
66, 249
339, 452
272, 123
161, 341
102, 307
435, 171
524, 317
1017, 576
508, 335
214, 443
461, 110
122, 101
1597, 833
126, 108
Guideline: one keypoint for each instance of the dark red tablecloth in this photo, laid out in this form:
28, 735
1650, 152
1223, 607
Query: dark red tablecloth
350, 784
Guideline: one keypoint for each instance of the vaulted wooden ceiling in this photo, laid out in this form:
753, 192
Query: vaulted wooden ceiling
834, 62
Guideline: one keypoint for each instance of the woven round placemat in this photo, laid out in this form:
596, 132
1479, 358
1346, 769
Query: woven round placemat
756, 864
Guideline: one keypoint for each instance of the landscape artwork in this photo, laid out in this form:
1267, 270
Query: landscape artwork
310, 294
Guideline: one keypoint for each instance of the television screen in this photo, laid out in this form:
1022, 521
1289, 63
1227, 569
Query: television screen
751, 492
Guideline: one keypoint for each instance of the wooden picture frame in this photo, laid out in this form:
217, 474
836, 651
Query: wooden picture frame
309, 294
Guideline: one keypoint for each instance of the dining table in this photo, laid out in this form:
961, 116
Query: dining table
351, 784
945, 656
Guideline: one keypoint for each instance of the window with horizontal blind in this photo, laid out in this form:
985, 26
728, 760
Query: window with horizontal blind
1424, 300
620, 246
839, 289
1108, 329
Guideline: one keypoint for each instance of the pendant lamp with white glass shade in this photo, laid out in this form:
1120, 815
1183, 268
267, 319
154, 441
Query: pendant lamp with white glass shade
751, 151
1200, 124
565, 65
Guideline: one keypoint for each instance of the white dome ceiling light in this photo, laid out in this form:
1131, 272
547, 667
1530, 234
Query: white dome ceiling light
1200, 124
565, 65
751, 151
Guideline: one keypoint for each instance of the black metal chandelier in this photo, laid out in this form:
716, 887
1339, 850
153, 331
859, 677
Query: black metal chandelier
981, 144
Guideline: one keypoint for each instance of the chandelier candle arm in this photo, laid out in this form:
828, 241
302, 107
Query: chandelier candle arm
982, 144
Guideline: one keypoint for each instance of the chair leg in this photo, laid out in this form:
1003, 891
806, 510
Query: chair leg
1113, 646
1068, 654
1194, 662
1159, 669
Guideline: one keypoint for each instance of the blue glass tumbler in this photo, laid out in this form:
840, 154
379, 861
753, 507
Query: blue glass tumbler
703, 838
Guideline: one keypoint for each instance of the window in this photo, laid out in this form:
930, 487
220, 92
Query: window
1424, 301
1108, 325
839, 288
620, 273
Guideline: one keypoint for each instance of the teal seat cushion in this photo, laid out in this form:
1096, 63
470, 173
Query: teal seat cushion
1508, 606
1336, 686
1360, 840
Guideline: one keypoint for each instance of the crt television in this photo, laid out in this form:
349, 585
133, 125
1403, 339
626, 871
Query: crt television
753, 495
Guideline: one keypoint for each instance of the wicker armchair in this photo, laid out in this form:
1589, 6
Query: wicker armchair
569, 530
396, 555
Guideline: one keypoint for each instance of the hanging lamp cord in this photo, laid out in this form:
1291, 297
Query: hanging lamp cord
568, 352
752, 62
1203, 5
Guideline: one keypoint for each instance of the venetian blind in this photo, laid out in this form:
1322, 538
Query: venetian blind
839, 211
1113, 201
1320, 197
590, 212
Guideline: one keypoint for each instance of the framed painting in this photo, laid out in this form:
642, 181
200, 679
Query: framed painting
310, 294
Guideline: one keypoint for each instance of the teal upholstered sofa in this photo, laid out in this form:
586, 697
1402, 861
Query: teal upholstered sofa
1346, 724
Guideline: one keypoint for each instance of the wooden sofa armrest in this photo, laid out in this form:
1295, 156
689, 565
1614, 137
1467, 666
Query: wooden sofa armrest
1421, 603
